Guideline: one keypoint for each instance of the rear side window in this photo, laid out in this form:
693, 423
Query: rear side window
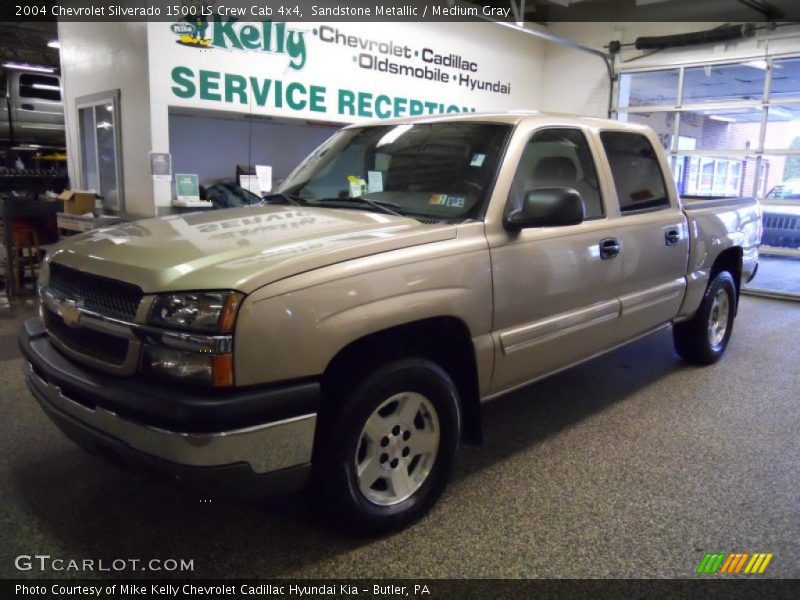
636, 171
39, 86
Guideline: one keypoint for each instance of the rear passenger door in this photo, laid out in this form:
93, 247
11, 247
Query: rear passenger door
652, 235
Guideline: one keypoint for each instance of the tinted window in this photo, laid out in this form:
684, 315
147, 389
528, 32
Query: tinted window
39, 86
636, 171
558, 158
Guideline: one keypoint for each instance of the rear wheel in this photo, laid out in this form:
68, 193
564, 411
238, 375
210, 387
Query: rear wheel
704, 338
388, 453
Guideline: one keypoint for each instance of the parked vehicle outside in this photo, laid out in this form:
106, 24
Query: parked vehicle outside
781, 208
787, 189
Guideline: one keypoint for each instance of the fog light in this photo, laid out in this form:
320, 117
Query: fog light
211, 369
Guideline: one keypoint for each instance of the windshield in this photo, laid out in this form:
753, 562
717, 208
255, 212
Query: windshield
440, 171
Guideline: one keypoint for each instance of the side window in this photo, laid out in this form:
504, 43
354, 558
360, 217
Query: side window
559, 158
39, 86
636, 171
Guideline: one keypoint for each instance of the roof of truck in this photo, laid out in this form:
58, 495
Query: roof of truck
511, 118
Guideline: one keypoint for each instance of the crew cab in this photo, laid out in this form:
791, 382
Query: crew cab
343, 334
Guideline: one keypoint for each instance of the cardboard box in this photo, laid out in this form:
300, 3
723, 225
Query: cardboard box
77, 202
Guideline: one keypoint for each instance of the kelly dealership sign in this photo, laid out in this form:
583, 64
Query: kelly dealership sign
342, 72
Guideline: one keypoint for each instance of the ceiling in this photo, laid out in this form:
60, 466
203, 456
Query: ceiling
543, 11
27, 42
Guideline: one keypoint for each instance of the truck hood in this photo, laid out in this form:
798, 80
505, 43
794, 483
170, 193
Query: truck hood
239, 248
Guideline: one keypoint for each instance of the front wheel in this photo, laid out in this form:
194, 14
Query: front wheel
388, 453
704, 338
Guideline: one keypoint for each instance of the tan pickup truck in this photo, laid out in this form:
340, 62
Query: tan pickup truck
343, 334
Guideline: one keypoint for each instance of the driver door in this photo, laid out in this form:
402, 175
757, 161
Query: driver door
555, 291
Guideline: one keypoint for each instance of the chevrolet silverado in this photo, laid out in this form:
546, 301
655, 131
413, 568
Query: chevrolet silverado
343, 334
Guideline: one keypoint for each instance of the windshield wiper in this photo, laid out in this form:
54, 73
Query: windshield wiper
287, 198
381, 205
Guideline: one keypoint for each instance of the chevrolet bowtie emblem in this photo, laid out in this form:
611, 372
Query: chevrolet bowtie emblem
70, 312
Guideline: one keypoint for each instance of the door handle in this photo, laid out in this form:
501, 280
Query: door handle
27, 107
609, 248
672, 237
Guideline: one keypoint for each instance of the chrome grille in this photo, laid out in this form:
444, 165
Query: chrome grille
96, 344
104, 296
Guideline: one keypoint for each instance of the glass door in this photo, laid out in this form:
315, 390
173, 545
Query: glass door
100, 145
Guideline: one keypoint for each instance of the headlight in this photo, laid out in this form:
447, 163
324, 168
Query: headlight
209, 369
196, 311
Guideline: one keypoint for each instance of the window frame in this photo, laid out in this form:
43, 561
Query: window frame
42, 98
639, 211
593, 156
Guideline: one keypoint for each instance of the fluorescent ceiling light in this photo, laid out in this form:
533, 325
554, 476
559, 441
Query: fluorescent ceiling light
24, 67
44, 86
54, 44
721, 118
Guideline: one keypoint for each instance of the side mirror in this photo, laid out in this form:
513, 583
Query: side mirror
547, 207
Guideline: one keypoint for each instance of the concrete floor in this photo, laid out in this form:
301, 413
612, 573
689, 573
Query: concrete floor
633, 465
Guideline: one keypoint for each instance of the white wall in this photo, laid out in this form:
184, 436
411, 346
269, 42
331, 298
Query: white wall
575, 82
99, 57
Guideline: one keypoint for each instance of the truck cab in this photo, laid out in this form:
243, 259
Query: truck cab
31, 110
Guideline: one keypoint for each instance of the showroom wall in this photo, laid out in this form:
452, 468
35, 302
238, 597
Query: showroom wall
338, 72
98, 57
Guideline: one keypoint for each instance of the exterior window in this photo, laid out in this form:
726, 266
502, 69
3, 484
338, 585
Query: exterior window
40, 87
711, 177
649, 88
724, 83
636, 170
661, 122
559, 158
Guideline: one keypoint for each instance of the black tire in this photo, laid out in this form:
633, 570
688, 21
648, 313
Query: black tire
343, 436
693, 339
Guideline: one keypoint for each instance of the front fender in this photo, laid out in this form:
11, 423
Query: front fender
294, 328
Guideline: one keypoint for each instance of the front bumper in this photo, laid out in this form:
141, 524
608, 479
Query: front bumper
95, 410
